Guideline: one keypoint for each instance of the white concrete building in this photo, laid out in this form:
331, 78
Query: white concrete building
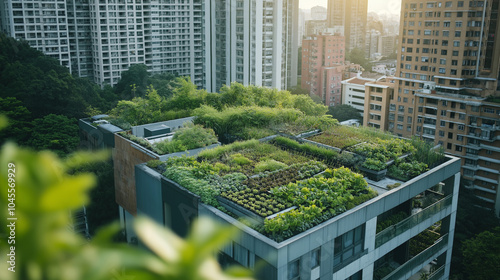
353, 93
213, 42
254, 42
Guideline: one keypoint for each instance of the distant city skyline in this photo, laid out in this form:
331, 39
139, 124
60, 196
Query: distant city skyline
379, 6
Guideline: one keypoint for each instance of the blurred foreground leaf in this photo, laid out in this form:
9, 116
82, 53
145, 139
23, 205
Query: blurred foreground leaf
45, 247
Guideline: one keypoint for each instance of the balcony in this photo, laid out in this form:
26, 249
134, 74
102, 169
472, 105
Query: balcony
424, 257
408, 223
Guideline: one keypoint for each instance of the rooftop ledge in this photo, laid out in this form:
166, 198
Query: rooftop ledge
283, 188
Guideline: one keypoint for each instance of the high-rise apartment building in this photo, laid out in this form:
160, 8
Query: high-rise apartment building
213, 42
102, 38
254, 42
372, 42
387, 45
323, 59
352, 16
447, 86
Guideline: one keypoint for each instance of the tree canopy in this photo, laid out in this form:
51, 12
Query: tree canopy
344, 112
482, 255
358, 56
186, 98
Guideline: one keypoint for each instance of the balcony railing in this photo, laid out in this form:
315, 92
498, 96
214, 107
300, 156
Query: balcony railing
428, 253
437, 274
408, 223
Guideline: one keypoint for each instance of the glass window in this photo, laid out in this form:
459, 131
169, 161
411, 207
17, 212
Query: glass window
347, 246
315, 257
293, 269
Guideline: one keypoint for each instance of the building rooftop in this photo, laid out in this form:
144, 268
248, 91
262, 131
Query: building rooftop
359, 81
283, 185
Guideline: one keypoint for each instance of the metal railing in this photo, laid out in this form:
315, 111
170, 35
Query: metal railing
408, 223
418, 259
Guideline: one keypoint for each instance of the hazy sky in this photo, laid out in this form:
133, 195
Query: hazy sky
388, 6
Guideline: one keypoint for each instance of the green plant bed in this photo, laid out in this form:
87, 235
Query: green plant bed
337, 138
309, 149
296, 172
260, 202
229, 173
252, 157
406, 169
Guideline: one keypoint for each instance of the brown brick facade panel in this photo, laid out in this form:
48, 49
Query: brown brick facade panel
125, 157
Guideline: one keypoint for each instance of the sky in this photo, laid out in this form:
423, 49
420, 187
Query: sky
379, 6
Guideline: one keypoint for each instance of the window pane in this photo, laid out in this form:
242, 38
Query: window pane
348, 238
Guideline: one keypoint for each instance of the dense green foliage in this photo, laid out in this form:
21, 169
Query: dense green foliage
426, 153
288, 173
482, 255
44, 86
472, 218
187, 138
136, 80
406, 169
186, 98
344, 112
318, 199
358, 56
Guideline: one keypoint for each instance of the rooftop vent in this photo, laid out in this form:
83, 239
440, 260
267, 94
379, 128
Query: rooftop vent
156, 130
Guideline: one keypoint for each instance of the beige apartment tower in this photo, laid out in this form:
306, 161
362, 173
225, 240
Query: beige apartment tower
351, 15
447, 88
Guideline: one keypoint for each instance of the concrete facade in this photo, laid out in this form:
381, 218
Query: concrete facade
213, 42
351, 15
448, 65
323, 66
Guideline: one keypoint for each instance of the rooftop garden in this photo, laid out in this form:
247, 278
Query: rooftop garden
186, 138
403, 158
283, 190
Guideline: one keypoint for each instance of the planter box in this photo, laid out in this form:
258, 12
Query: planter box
374, 175
240, 211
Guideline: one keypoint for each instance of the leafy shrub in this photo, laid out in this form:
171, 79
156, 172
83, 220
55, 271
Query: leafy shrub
269, 165
170, 146
240, 159
374, 164
195, 136
154, 163
406, 169
187, 138
330, 195
425, 152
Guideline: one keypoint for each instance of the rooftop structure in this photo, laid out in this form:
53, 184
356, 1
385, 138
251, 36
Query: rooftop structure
303, 215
